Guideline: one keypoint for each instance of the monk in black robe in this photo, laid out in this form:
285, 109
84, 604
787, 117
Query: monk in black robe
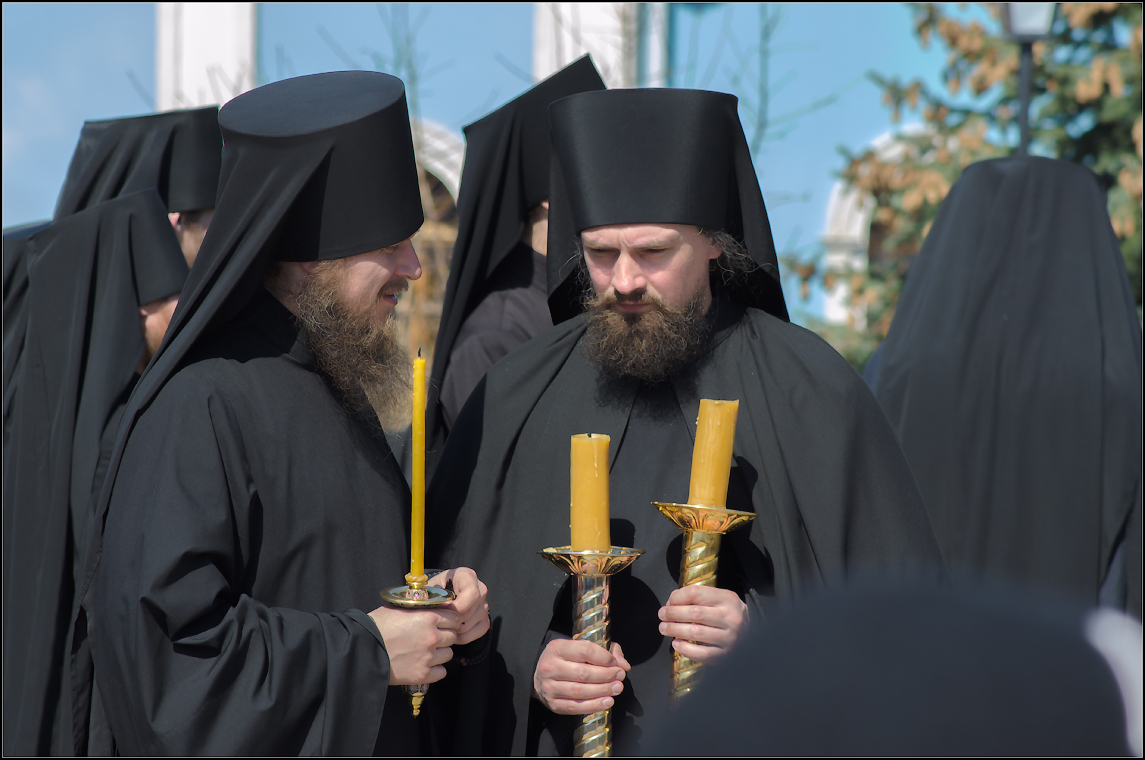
178, 153
252, 509
101, 287
495, 299
1012, 376
679, 286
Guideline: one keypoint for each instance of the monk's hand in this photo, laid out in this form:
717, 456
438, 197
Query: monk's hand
418, 642
470, 605
703, 622
579, 677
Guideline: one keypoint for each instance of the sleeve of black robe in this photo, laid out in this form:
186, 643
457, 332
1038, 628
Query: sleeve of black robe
189, 665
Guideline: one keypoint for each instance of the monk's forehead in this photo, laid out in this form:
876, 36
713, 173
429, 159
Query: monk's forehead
636, 235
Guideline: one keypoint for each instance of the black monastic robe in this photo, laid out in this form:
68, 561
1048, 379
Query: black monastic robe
515, 311
814, 458
253, 522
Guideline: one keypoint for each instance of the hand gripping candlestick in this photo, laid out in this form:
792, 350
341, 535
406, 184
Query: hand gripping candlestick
704, 519
591, 559
416, 594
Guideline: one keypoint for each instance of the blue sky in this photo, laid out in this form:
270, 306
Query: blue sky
65, 63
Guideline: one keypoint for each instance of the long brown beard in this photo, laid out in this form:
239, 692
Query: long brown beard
651, 346
363, 358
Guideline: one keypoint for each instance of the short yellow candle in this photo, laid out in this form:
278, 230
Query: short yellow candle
417, 523
588, 473
712, 455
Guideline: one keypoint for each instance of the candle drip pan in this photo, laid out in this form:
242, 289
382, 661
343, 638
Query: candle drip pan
704, 519
589, 562
416, 594
412, 599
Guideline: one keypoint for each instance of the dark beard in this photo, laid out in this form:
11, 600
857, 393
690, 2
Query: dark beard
364, 360
651, 346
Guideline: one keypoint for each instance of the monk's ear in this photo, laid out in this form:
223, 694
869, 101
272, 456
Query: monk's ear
713, 250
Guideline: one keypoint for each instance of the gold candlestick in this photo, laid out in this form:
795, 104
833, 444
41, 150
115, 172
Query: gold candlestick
416, 595
593, 738
703, 528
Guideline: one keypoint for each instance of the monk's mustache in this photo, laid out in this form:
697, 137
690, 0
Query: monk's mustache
635, 297
396, 286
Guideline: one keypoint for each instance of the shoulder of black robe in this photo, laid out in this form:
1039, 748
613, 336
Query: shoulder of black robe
513, 311
306, 164
889, 670
611, 167
15, 319
1012, 375
817, 452
179, 153
87, 277
506, 174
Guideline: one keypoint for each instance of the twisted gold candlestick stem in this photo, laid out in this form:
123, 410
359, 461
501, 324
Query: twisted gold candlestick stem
703, 528
593, 738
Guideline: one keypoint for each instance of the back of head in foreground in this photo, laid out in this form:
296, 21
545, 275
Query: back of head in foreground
886, 669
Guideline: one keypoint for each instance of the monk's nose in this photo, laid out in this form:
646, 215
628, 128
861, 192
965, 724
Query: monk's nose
627, 276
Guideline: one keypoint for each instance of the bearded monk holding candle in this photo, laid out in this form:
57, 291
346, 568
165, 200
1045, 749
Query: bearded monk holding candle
252, 509
664, 289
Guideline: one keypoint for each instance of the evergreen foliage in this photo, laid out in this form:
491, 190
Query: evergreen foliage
1086, 108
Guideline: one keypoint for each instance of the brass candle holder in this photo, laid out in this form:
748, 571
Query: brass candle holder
703, 528
417, 595
593, 738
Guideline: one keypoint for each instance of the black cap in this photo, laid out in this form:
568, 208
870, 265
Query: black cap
652, 156
176, 152
362, 193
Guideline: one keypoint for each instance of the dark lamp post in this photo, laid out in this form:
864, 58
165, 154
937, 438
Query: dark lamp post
1026, 23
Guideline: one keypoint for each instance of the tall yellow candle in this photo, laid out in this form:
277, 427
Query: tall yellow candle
417, 523
588, 474
712, 455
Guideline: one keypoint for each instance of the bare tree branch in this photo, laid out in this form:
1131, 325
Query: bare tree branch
147, 97
338, 51
513, 69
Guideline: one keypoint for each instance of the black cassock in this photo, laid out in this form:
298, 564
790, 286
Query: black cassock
253, 522
515, 311
814, 458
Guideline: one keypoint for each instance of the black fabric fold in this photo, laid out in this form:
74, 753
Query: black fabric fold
16, 243
1012, 376
178, 153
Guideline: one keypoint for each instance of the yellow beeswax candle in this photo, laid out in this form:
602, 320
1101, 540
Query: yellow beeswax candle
417, 523
588, 473
712, 456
